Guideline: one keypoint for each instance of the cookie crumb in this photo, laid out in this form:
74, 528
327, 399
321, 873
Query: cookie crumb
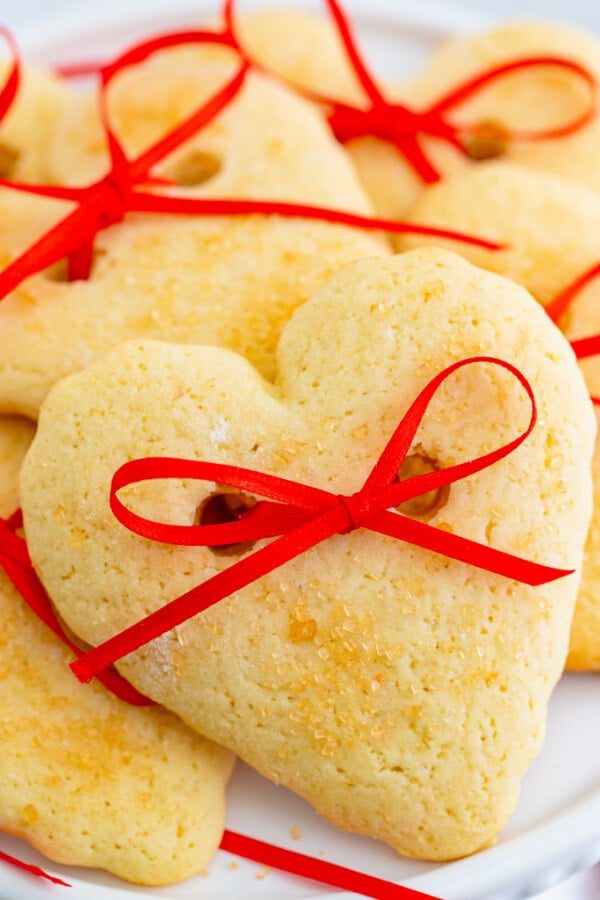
262, 873
295, 833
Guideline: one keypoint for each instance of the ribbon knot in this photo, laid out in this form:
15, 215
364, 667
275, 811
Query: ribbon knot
355, 509
300, 517
112, 196
400, 126
391, 122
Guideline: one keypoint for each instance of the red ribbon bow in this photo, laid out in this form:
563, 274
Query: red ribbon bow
107, 201
14, 559
304, 516
401, 126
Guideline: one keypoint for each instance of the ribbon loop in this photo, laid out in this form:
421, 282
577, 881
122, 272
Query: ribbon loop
401, 126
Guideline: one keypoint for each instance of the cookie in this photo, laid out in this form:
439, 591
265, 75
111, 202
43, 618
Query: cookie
211, 279
402, 693
84, 777
547, 224
25, 132
534, 99
552, 228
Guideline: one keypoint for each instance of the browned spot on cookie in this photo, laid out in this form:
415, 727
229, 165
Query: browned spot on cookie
196, 167
486, 140
9, 157
302, 631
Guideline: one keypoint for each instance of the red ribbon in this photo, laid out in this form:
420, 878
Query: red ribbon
11, 85
14, 559
286, 861
397, 123
107, 201
317, 869
401, 126
582, 347
301, 516
32, 870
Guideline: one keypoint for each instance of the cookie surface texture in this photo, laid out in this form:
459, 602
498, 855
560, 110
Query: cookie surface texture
26, 131
550, 227
534, 99
86, 778
213, 280
401, 693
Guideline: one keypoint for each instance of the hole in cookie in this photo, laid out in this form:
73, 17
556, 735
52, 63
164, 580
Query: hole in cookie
486, 140
9, 157
221, 508
426, 505
59, 272
196, 167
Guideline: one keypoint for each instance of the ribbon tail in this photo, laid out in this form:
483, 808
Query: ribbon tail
414, 154
189, 206
33, 870
317, 869
57, 243
465, 550
210, 592
345, 32
586, 347
80, 262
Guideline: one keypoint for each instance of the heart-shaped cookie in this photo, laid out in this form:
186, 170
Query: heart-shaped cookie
216, 280
403, 693
86, 778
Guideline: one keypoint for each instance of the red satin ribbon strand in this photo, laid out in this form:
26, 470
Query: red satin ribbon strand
305, 516
466, 90
586, 347
350, 44
32, 870
143, 202
14, 559
557, 308
582, 347
317, 869
11, 85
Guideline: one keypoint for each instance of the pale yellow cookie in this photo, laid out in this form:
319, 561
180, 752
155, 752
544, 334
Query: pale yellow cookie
25, 132
537, 98
86, 778
548, 226
217, 280
400, 692
552, 228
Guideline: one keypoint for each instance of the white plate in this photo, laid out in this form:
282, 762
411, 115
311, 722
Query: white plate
556, 828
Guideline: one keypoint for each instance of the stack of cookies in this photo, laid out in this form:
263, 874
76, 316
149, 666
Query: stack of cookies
394, 670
